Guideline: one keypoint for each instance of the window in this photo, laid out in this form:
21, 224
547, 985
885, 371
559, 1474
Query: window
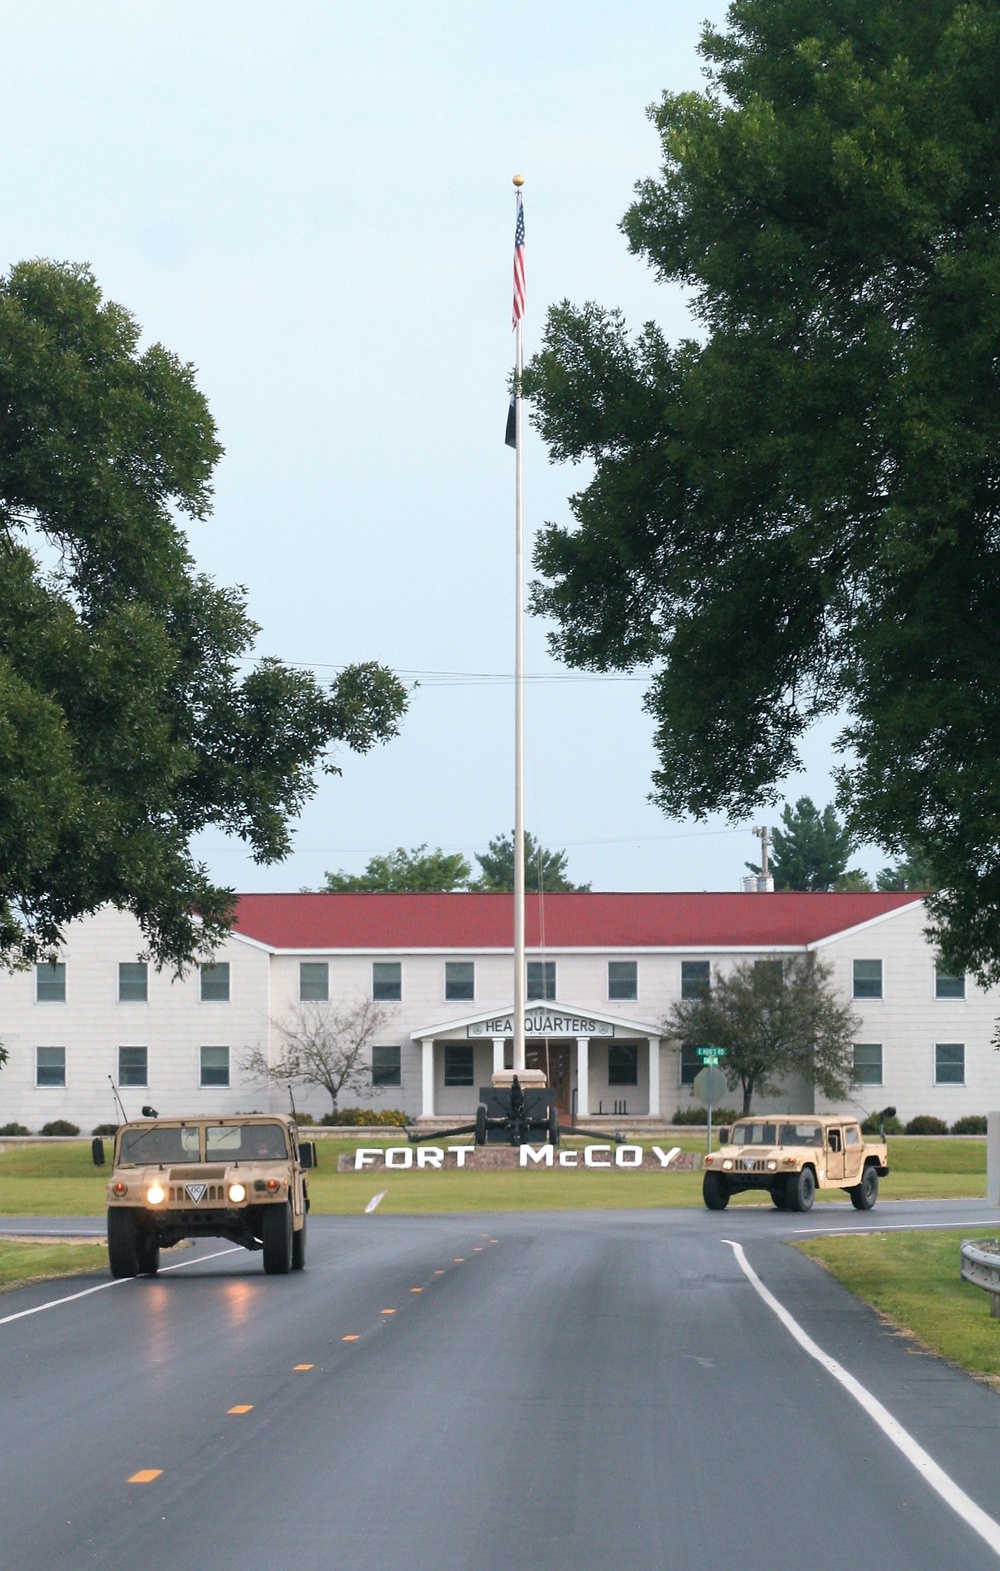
386, 1066
215, 1066
133, 984
459, 1063
868, 979
50, 1066
460, 980
133, 1066
541, 979
387, 981
690, 1064
696, 978
215, 986
623, 1064
949, 1064
948, 984
314, 981
50, 984
868, 1063
623, 979
852, 1135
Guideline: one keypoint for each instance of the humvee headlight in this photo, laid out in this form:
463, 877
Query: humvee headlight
771, 1165
237, 1193
154, 1194
727, 1164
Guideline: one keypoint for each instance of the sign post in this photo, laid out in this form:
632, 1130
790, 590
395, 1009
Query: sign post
710, 1083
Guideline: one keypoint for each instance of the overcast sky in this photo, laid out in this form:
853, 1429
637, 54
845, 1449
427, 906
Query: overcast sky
313, 204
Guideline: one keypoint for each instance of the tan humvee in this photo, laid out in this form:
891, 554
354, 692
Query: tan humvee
240, 1178
793, 1155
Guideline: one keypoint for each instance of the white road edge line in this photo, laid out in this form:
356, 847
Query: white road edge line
888, 1227
375, 1202
950, 1492
118, 1281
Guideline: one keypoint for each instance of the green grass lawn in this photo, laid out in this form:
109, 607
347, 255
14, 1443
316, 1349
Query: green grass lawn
22, 1262
60, 1180
912, 1279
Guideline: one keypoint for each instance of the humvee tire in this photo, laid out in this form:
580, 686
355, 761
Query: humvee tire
864, 1195
715, 1191
276, 1236
779, 1194
122, 1254
147, 1253
299, 1247
801, 1189
481, 1124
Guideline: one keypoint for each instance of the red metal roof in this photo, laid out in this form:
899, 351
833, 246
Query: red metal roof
571, 921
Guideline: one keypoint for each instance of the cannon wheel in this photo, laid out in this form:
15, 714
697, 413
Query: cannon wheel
481, 1125
553, 1125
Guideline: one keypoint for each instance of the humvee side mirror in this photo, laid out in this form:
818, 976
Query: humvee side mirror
97, 1151
307, 1153
723, 1136
887, 1112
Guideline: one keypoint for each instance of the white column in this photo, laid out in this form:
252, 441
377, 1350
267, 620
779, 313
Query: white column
654, 1076
498, 1046
427, 1078
583, 1077
993, 1158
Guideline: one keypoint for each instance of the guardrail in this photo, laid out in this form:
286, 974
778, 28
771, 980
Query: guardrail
981, 1266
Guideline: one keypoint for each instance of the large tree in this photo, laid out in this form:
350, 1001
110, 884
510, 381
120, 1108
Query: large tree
795, 512
126, 723
774, 1018
544, 870
403, 870
811, 850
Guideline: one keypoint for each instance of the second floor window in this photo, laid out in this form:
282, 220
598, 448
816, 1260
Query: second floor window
387, 981
133, 983
314, 981
696, 978
868, 979
541, 979
50, 982
949, 984
460, 980
623, 979
215, 985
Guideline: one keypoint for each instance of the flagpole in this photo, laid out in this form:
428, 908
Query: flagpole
519, 954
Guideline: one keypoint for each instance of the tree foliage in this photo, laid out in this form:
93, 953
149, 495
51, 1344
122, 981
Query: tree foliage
403, 870
324, 1045
911, 871
544, 870
796, 513
812, 849
126, 726
774, 1018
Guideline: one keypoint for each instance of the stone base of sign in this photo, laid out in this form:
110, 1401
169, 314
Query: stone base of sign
505, 1158
533, 1079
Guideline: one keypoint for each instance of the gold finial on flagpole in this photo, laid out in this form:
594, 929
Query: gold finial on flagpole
518, 180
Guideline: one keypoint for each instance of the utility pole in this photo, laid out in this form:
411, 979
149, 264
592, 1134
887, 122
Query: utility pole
765, 883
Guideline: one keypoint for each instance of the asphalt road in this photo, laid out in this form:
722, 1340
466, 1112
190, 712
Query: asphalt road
566, 1390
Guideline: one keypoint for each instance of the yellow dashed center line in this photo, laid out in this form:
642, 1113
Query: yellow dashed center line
416, 1289
459, 1259
303, 1366
350, 1339
478, 1249
439, 1273
246, 1407
145, 1475
387, 1311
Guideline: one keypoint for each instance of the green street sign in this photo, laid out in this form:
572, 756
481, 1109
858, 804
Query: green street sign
710, 1055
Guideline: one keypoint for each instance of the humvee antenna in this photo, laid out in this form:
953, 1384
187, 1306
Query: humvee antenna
291, 1099
118, 1100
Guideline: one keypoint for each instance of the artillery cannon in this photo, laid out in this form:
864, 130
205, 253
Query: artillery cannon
514, 1115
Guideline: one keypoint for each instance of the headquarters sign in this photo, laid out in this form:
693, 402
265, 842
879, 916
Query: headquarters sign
543, 1022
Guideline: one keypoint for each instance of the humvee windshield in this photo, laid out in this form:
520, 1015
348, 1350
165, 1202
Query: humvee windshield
801, 1135
159, 1143
754, 1134
245, 1143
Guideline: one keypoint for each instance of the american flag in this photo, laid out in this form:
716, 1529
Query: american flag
518, 263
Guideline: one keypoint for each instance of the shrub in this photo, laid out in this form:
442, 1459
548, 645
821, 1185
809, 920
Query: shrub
392, 1116
699, 1115
304, 1120
60, 1126
107, 1130
14, 1129
926, 1124
871, 1125
971, 1124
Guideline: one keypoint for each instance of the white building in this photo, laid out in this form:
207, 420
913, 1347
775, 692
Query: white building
603, 973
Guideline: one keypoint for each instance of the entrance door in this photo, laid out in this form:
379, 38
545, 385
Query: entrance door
552, 1058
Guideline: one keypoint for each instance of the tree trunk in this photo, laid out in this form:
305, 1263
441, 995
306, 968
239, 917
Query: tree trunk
747, 1097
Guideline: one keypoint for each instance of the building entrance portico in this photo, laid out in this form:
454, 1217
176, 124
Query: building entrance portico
592, 1059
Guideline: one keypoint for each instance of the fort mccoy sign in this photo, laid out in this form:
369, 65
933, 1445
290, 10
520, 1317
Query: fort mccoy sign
544, 1022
